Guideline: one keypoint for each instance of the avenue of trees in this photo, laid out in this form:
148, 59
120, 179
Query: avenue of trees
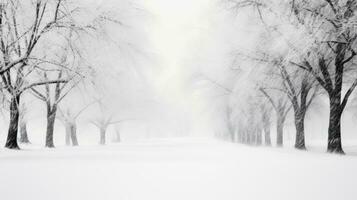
305, 50
43, 54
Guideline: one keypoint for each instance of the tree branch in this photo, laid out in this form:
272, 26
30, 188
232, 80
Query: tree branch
348, 94
43, 83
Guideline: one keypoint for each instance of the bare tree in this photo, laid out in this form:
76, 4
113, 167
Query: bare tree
69, 68
334, 60
231, 131
281, 107
297, 86
52, 96
20, 34
325, 48
69, 119
266, 121
104, 120
102, 124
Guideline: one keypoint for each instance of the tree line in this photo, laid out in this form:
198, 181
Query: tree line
43, 53
305, 50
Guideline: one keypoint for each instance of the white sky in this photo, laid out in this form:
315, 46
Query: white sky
176, 25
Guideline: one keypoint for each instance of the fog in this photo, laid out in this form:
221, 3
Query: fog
149, 70
167, 68
180, 99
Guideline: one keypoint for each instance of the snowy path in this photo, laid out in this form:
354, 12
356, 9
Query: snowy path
175, 170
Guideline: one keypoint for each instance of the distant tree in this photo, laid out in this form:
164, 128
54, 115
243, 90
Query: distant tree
117, 138
301, 91
266, 122
298, 86
69, 120
320, 38
231, 131
65, 65
281, 106
103, 121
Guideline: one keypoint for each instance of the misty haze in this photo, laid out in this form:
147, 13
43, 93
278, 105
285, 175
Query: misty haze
178, 99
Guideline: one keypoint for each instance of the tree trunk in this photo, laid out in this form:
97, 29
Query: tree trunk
23, 133
267, 138
11, 141
259, 137
247, 137
280, 131
74, 135
102, 136
300, 129
238, 136
118, 138
334, 144
68, 134
253, 136
231, 133
51, 117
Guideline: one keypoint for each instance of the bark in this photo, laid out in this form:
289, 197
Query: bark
334, 131
231, 134
23, 133
300, 130
239, 136
244, 137
68, 134
248, 138
102, 136
74, 135
253, 136
280, 131
266, 128
51, 117
267, 138
11, 141
71, 134
259, 136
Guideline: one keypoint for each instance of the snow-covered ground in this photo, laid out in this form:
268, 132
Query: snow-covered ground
177, 169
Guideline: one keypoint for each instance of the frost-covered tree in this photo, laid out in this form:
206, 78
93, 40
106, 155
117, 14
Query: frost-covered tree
298, 86
52, 98
28, 31
301, 91
23, 25
103, 120
330, 56
281, 106
64, 66
266, 115
318, 37
69, 119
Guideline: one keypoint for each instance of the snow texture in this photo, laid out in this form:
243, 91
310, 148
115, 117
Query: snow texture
175, 169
